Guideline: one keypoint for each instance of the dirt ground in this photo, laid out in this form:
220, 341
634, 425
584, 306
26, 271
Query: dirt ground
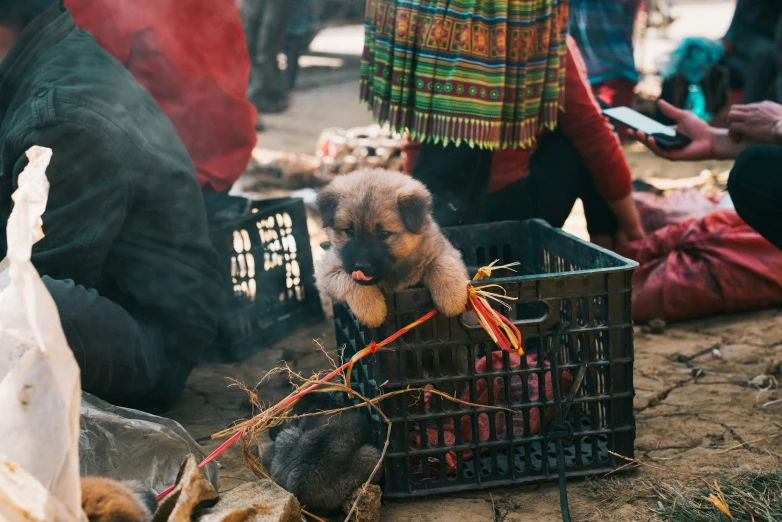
691, 415
697, 415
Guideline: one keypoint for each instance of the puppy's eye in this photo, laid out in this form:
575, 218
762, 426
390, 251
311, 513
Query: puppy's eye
384, 234
349, 232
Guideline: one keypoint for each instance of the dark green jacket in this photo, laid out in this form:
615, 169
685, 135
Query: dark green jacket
125, 214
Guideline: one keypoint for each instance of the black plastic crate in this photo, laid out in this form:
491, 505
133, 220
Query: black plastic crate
564, 286
266, 262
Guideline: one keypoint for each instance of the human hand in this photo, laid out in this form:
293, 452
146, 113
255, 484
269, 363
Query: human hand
700, 132
760, 122
630, 234
628, 219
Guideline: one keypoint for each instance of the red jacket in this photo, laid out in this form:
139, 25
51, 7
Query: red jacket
192, 57
583, 122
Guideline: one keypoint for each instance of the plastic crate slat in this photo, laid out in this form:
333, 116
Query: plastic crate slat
576, 282
265, 259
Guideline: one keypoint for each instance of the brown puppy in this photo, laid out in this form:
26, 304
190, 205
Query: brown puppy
383, 238
106, 500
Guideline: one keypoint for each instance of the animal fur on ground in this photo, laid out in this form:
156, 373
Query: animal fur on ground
321, 459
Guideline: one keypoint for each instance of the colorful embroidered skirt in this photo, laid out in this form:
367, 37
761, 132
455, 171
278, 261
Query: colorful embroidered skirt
487, 72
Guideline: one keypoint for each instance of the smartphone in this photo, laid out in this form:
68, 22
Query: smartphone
665, 137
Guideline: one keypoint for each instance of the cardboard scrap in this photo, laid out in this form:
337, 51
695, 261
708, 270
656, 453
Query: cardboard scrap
192, 491
262, 501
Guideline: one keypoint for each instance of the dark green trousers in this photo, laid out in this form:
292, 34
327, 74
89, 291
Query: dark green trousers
123, 359
264, 26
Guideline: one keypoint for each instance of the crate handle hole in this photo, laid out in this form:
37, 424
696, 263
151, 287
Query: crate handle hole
526, 314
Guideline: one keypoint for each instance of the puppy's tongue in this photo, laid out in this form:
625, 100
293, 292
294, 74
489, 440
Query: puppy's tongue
358, 275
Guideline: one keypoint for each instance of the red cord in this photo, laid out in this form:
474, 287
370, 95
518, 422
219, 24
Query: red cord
373, 347
474, 304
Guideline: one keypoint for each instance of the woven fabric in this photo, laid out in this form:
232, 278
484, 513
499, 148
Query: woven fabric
487, 72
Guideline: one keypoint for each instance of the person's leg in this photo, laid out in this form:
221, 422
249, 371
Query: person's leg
755, 186
122, 360
760, 72
269, 92
601, 220
252, 13
778, 62
557, 178
458, 178
294, 48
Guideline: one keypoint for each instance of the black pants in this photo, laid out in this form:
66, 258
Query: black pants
755, 186
265, 22
458, 178
122, 360
295, 47
760, 71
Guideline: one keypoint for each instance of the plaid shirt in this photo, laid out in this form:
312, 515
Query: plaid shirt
603, 30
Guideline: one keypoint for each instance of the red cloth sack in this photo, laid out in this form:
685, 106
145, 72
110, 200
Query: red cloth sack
659, 211
702, 267
192, 57
482, 397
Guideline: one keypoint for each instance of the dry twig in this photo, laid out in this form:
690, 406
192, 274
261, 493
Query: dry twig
737, 446
275, 415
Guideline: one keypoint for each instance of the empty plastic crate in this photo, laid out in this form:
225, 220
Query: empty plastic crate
563, 285
266, 262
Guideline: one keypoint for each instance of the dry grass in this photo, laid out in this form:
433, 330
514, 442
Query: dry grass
275, 415
742, 497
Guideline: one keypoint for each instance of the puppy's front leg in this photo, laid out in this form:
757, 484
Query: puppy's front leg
446, 280
367, 302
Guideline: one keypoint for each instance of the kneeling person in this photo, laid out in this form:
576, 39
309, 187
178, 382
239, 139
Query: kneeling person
126, 256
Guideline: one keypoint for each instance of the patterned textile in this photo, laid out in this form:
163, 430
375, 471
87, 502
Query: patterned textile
487, 72
603, 30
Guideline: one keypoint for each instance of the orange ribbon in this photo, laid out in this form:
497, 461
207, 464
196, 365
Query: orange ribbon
501, 330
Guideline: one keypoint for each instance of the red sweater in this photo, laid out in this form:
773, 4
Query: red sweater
192, 57
583, 122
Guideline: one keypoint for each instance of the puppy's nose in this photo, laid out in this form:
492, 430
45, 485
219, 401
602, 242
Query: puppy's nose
366, 268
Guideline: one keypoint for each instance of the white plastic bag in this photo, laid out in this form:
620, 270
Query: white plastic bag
39, 378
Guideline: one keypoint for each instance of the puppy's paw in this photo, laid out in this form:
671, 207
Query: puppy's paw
105, 500
369, 305
365, 461
449, 292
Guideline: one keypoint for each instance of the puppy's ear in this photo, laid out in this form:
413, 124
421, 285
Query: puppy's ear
327, 203
414, 207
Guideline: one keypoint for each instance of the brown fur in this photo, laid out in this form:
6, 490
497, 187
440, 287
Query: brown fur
106, 500
370, 199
